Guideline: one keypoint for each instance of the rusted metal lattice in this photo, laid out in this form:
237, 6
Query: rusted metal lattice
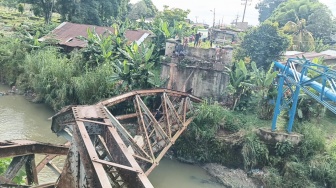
23, 153
109, 151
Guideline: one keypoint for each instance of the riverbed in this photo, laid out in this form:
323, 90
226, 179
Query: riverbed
21, 119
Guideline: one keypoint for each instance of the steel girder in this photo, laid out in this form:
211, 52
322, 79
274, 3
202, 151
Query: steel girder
23, 153
106, 153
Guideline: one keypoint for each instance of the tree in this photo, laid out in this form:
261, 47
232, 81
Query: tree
151, 7
317, 15
263, 44
21, 8
266, 8
44, 7
303, 39
9, 3
142, 9
172, 15
94, 12
320, 24
66, 8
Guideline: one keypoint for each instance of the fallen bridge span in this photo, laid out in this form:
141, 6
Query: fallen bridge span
107, 150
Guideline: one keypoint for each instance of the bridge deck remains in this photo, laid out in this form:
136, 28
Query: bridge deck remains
104, 152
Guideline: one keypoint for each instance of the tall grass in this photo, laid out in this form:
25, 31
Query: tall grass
48, 73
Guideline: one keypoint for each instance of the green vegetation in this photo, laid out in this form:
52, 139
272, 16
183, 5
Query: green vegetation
4, 163
109, 65
263, 44
312, 13
266, 8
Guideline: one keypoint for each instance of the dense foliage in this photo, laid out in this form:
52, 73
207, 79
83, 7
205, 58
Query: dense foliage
109, 65
266, 8
106, 67
142, 9
94, 12
317, 16
263, 44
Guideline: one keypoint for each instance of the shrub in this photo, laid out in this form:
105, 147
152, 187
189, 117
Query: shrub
284, 148
255, 152
312, 143
323, 170
232, 122
272, 178
208, 118
296, 175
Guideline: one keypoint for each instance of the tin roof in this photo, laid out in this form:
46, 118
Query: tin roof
309, 55
66, 33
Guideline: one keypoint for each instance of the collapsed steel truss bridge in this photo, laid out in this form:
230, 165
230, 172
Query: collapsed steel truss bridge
106, 150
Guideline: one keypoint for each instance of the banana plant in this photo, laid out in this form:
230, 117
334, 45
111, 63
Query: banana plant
262, 80
134, 71
264, 89
238, 82
103, 48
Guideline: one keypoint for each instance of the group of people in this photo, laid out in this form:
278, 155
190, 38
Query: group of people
197, 42
196, 38
182, 45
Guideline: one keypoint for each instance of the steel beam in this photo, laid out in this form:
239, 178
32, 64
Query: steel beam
31, 172
149, 92
95, 174
122, 156
15, 166
26, 147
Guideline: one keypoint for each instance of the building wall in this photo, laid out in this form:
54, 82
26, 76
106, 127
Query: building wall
200, 71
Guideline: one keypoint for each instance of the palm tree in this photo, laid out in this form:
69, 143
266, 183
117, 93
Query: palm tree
303, 39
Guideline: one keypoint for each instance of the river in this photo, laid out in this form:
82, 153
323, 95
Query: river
21, 119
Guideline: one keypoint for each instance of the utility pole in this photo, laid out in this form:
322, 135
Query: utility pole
214, 17
237, 19
245, 4
223, 21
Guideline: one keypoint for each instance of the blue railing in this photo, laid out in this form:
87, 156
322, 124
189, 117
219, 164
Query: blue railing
297, 75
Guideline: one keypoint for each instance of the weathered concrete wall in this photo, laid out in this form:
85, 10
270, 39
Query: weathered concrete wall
202, 70
170, 47
219, 55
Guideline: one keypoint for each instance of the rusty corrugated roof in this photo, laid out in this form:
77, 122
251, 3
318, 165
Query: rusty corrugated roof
66, 33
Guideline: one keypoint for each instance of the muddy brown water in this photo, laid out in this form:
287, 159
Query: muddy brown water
21, 119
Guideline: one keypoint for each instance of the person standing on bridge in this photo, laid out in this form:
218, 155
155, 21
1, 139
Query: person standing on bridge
197, 37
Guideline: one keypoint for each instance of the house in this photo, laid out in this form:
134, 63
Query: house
224, 36
329, 56
67, 34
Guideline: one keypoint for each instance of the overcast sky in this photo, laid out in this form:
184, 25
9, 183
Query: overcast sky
226, 10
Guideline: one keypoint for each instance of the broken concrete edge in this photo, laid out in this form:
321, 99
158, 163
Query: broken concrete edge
277, 136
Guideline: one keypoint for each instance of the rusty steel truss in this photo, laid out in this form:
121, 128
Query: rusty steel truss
23, 153
120, 150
